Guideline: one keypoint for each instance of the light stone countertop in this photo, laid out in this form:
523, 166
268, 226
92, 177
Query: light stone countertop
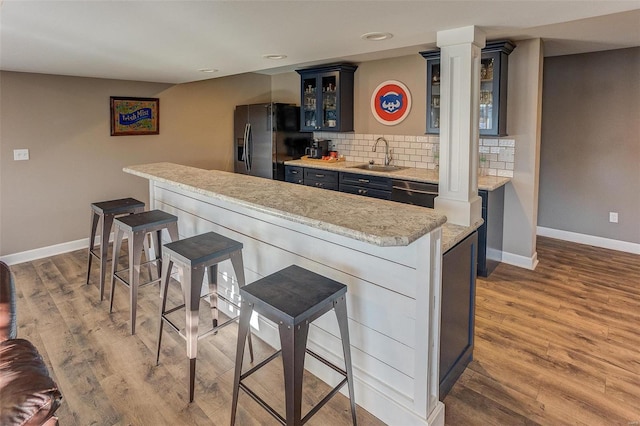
488, 183
378, 222
453, 234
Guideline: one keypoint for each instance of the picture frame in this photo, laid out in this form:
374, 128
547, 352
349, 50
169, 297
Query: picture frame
134, 116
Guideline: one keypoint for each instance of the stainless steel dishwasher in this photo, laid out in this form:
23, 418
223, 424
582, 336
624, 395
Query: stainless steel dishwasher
416, 193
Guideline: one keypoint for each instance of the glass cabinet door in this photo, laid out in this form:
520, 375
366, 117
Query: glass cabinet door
488, 120
309, 104
494, 64
329, 101
434, 98
433, 91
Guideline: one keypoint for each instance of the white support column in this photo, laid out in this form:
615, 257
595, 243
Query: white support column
460, 51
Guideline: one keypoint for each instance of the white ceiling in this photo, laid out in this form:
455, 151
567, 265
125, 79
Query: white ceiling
169, 41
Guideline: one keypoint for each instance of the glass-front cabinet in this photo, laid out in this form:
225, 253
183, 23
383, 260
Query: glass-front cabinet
327, 98
494, 65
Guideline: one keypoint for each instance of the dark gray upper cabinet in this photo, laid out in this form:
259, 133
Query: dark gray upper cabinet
494, 66
326, 98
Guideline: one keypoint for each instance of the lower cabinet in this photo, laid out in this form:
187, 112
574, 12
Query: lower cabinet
458, 310
369, 186
490, 233
294, 174
326, 179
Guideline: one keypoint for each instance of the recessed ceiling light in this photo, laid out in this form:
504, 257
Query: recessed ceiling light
376, 36
274, 57
208, 70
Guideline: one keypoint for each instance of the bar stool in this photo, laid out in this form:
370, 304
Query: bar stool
136, 227
105, 212
293, 298
193, 256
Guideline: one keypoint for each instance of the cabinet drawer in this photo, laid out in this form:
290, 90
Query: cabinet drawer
367, 181
321, 184
294, 174
318, 175
367, 192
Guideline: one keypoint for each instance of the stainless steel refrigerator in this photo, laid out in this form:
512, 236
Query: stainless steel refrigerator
267, 135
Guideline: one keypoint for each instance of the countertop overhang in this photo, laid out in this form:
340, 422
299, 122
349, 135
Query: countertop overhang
379, 222
488, 183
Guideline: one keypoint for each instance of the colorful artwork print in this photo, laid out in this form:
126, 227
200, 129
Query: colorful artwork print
390, 102
135, 116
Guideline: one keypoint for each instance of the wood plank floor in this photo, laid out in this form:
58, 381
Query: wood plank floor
559, 345
108, 377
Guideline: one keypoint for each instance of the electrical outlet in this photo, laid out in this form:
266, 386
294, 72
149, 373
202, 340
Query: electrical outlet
20, 154
613, 217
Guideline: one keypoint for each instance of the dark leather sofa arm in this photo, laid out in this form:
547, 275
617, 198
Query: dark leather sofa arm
28, 394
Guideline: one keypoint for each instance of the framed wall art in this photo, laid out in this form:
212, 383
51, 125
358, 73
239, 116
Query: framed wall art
134, 116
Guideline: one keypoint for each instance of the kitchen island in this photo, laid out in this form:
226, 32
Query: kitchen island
396, 185
389, 255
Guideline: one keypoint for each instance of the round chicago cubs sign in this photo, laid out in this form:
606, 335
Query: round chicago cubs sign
390, 102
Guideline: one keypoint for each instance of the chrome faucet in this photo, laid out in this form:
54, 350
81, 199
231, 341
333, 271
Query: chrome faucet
387, 151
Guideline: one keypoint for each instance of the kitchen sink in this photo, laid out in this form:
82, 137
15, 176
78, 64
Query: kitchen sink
379, 167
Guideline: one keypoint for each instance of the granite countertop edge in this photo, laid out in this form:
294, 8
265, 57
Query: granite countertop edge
453, 234
488, 183
185, 177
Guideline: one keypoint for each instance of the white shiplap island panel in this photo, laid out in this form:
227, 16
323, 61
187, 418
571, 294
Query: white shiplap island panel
389, 255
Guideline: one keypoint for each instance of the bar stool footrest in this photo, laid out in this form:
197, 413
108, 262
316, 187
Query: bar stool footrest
126, 283
314, 409
209, 332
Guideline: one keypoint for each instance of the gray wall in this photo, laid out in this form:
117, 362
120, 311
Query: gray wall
64, 122
590, 150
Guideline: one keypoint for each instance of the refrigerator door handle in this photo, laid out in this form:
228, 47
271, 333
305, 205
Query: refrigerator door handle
248, 147
245, 146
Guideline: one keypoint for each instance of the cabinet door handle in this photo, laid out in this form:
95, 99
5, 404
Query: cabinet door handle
294, 172
363, 180
319, 176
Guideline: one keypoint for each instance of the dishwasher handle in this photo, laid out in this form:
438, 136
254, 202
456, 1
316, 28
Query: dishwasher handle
417, 191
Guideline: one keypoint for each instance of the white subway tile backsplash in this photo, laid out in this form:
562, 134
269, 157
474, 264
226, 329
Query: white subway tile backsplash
420, 151
506, 155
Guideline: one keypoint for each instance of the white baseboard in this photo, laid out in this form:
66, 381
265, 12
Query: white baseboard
39, 253
520, 261
591, 240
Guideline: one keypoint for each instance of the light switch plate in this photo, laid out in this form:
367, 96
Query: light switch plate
20, 154
613, 217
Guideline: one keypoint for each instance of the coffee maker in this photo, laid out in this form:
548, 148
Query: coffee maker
318, 149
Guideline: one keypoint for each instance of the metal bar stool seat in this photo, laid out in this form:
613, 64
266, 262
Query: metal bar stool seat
103, 213
293, 298
136, 227
193, 256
